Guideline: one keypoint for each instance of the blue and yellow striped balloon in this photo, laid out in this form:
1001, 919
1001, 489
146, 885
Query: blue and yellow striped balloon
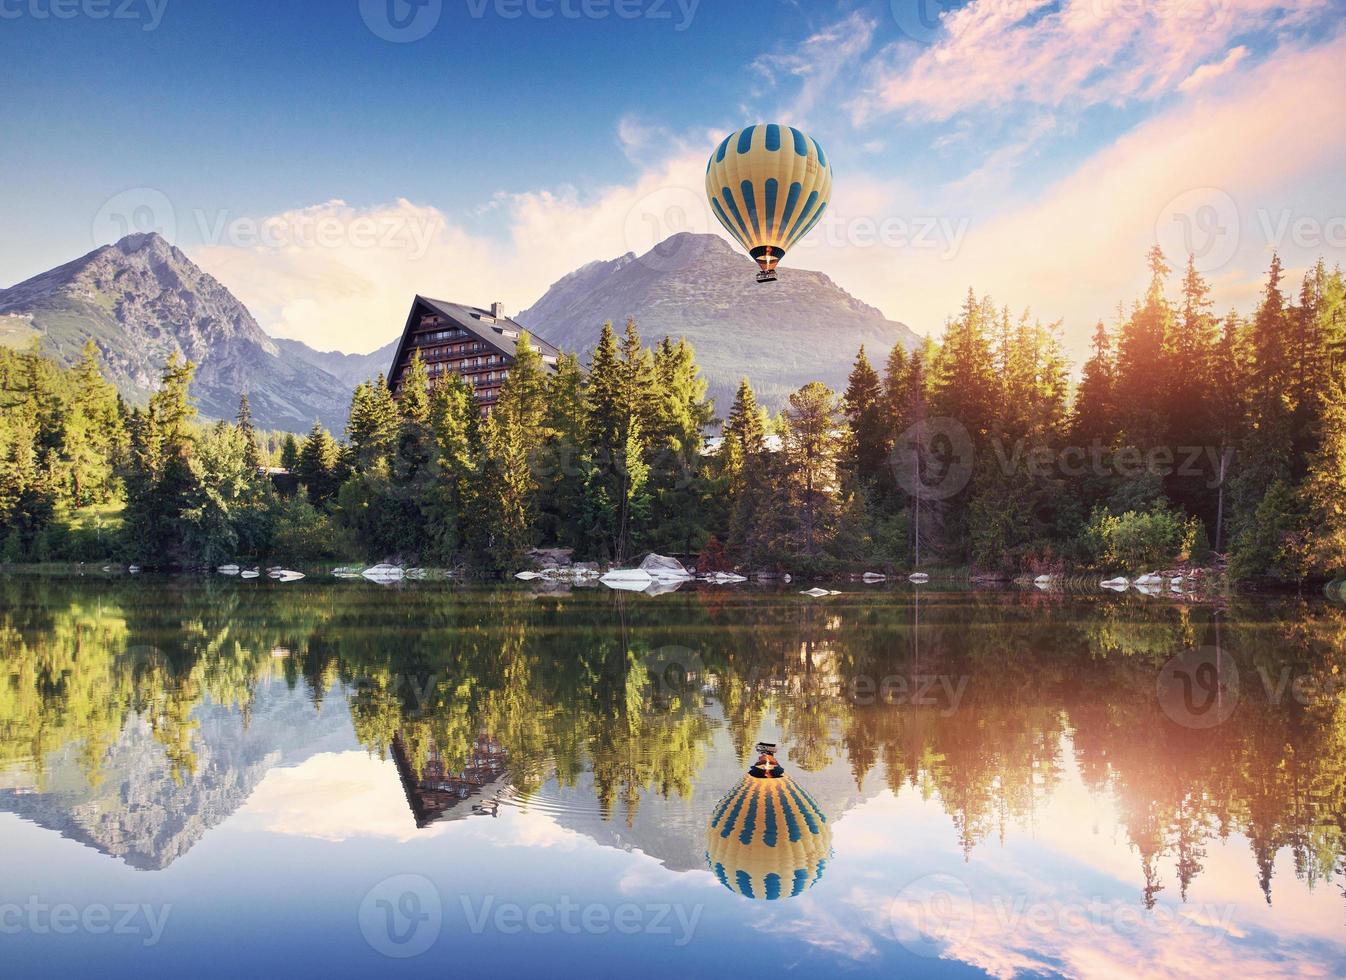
767, 838
768, 185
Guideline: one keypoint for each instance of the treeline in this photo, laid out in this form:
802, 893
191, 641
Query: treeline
574, 689
1190, 436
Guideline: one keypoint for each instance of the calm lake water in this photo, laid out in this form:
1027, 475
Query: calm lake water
231, 778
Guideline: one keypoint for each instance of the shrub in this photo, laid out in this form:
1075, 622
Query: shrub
1138, 539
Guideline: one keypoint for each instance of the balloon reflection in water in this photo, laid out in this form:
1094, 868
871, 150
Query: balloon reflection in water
767, 838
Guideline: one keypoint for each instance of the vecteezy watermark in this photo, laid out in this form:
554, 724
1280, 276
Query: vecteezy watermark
40, 918
1203, 223
403, 917
403, 21
942, 691
674, 670
938, 912
1126, 462
1289, 227
1199, 688
145, 210
942, 234
933, 459
567, 917
655, 222
148, 13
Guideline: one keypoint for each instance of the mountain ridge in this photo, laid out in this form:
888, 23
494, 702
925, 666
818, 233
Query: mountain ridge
142, 299
699, 287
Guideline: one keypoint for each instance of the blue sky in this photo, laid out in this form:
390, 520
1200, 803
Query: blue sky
1026, 148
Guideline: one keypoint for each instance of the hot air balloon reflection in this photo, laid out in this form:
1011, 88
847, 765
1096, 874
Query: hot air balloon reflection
767, 838
768, 185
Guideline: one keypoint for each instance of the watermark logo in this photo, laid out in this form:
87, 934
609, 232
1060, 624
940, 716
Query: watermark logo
402, 916
1199, 688
39, 918
933, 459
570, 918
921, 20
136, 211
401, 21
1203, 223
932, 913
148, 13
674, 670
653, 222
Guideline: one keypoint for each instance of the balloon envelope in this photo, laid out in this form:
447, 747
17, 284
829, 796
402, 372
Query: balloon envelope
768, 184
768, 839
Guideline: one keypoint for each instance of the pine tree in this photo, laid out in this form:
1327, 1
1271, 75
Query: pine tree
1095, 415
512, 438
678, 481
811, 449
1267, 455
867, 443
373, 426
446, 506
93, 435
1142, 375
745, 467
252, 452
317, 465
564, 466
289, 452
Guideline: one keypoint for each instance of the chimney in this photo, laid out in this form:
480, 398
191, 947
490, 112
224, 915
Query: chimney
498, 310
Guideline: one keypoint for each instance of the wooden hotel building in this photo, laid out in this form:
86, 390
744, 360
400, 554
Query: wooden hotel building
455, 339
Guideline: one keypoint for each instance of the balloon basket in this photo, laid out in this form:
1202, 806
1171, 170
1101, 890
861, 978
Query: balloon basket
766, 277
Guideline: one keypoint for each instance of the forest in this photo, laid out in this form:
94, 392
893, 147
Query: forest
568, 694
1189, 437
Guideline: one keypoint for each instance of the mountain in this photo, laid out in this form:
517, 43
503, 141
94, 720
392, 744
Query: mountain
141, 299
780, 335
350, 369
140, 810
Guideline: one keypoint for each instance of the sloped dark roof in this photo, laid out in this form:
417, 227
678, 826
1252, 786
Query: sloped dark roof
478, 322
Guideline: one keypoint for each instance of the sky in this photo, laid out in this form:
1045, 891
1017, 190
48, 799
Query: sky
327, 160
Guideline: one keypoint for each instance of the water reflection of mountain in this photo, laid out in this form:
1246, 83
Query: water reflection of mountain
147, 812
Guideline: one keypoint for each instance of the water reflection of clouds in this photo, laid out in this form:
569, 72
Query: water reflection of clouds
335, 796
1061, 896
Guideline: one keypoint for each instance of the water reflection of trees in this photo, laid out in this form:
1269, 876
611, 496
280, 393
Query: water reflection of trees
561, 683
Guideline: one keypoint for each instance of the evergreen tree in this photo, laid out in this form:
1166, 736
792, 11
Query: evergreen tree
1142, 376
317, 466
373, 426
810, 453
252, 452
867, 442
289, 452
1095, 415
564, 464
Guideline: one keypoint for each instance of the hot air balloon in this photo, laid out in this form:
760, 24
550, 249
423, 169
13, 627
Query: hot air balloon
768, 185
767, 839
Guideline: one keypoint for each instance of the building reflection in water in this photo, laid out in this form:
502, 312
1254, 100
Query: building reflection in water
434, 793
767, 838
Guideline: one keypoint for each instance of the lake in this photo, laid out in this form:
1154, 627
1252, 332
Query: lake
221, 778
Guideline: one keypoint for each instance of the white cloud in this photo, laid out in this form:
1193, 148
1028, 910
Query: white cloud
816, 64
1265, 136
1268, 139
993, 54
1210, 72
